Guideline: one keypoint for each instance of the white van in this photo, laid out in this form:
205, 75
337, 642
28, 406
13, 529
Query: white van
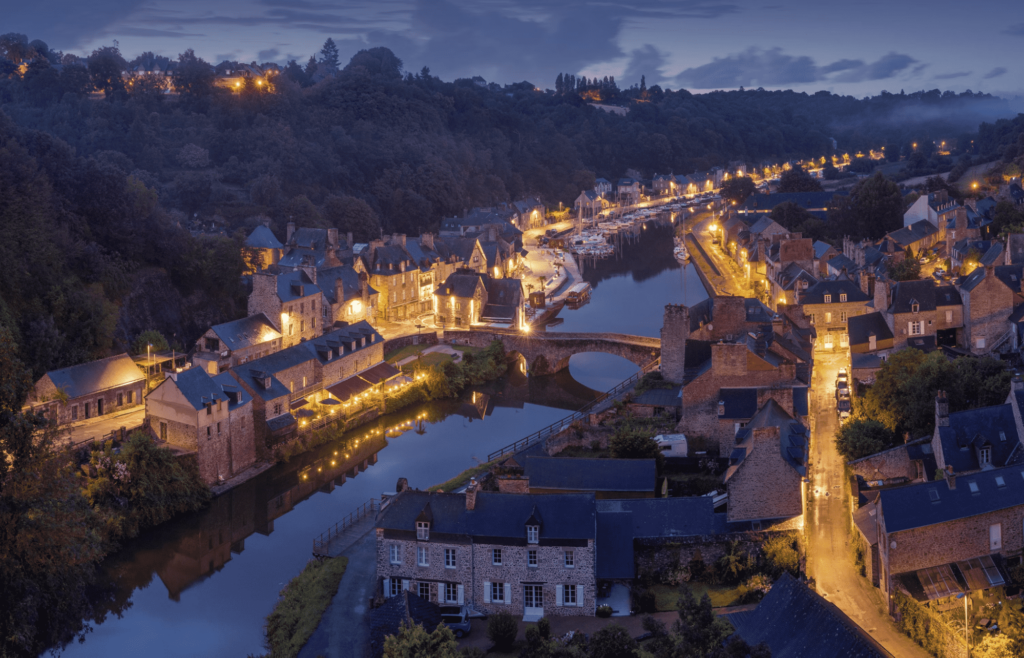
672, 445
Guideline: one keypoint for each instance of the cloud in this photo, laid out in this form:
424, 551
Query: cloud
1016, 30
646, 61
841, 65
886, 67
65, 24
268, 55
995, 73
131, 31
951, 76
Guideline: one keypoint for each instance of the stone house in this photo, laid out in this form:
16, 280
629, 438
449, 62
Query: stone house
273, 421
262, 249
528, 213
605, 478
88, 390
823, 253
212, 416
292, 302
627, 192
919, 237
968, 254
989, 296
871, 341
920, 311
467, 298
767, 467
602, 186
531, 555
233, 343
932, 537
665, 185
318, 247
829, 305
978, 439
937, 209
347, 296
589, 204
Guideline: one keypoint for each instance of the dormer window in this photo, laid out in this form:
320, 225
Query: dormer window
842, 296
532, 534
828, 299
984, 456
423, 530
914, 306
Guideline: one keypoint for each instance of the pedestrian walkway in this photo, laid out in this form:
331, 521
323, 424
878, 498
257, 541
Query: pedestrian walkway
343, 632
443, 349
96, 428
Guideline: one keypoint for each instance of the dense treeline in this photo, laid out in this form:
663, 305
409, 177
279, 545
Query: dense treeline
101, 177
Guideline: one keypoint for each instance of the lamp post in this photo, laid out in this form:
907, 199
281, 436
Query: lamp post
966, 595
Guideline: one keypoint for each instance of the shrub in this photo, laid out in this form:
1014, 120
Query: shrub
604, 611
612, 641
781, 553
303, 603
502, 629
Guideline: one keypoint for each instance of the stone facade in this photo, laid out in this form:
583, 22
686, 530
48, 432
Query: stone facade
765, 486
986, 308
674, 331
118, 391
299, 317
830, 321
889, 465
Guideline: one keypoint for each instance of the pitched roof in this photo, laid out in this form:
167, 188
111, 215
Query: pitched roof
834, 287
821, 248
461, 284
795, 622
294, 285
862, 327
792, 437
658, 397
349, 278
497, 515
971, 429
916, 232
591, 474
248, 331
614, 545
100, 375
263, 238
842, 262
929, 503
198, 387
906, 293
738, 403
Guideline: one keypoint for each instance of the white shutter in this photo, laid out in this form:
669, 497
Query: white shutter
579, 596
508, 594
440, 593
405, 585
387, 587
910, 328
460, 595
487, 591
558, 595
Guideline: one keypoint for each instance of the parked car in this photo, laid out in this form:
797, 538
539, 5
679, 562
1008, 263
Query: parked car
843, 408
456, 617
550, 232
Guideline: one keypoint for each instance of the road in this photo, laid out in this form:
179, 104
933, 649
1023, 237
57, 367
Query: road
97, 428
829, 545
732, 281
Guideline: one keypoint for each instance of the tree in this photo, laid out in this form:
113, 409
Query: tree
613, 641
798, 180
873, 208
701, 632
193, 156
861, 437
796, 219
413, 641
737, 189
629, 443
105, 67
781, 555
907, 269
195, 77
558, 85
348, 213
149, 341
329, 54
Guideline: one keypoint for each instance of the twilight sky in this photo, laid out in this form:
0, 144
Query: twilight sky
857, 48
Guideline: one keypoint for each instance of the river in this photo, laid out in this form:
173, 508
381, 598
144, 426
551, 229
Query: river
202, 585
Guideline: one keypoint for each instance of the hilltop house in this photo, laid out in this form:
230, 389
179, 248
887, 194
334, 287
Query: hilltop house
531, 555
211, 416
603, 187
87, 390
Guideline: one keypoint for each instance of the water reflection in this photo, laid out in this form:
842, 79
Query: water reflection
631, 289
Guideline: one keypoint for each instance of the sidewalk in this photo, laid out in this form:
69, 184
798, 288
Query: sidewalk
97, 428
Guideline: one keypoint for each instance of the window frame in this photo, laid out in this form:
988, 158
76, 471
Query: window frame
422, 556
532, 558
569, 559
423, 590
423, 530
394, 554
533, 534
450, 559
498, 592
451, 589
496, 557
569, 595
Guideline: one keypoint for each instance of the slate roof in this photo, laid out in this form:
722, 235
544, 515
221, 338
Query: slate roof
396, 610
914, 506
263, 238
230, 386
614, 545
969, 430
916, 232
821, 248
800, 394
198, 388
461, 248
993, 255
298, 256
763, 224
506, 292
756, 311
1010, 275
861, 327
626, 475
349, 280
905, 293
497, 515
834, 287
947, 295
461, 284
842, 262
797, 623
246, 332
658, 397
792, 436
253, 378
290, 284
100, 375
739, 403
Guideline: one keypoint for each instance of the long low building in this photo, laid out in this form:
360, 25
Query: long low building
88, 390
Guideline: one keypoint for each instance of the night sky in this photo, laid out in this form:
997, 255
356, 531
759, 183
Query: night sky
859, 47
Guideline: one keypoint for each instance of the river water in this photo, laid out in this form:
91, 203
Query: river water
202, 585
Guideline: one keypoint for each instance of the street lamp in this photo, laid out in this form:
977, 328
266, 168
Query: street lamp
965, 595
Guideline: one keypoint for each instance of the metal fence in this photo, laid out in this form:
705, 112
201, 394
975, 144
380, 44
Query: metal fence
584, 412
322, 544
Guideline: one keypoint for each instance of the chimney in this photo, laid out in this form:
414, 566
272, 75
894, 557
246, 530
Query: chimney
881, 295
291, 231
339, 291
492, 233
427, 240
1017, 384
398, 238
348, 236
364, 289
867, 283
721, 408
471, 494
950, 477
403, 485
332, 238
941, 410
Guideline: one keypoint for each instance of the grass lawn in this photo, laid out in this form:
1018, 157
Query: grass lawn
666, 597
463, 477
409, 350
467, 349
306, 597
427, 360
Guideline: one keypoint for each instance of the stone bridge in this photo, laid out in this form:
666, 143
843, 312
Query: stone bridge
557, 347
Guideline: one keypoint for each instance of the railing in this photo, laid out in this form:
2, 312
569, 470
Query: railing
582, 413
321, 545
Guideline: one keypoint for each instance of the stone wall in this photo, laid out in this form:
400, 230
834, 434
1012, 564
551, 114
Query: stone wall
986, 310
395, 344
887, 465
765, 486
75, 409
661, 558
674, 331
583, 437
557, 347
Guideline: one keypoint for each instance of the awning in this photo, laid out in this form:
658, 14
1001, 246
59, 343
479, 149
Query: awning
380, 373
981, 573
349, 388
301, 402
938, 582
